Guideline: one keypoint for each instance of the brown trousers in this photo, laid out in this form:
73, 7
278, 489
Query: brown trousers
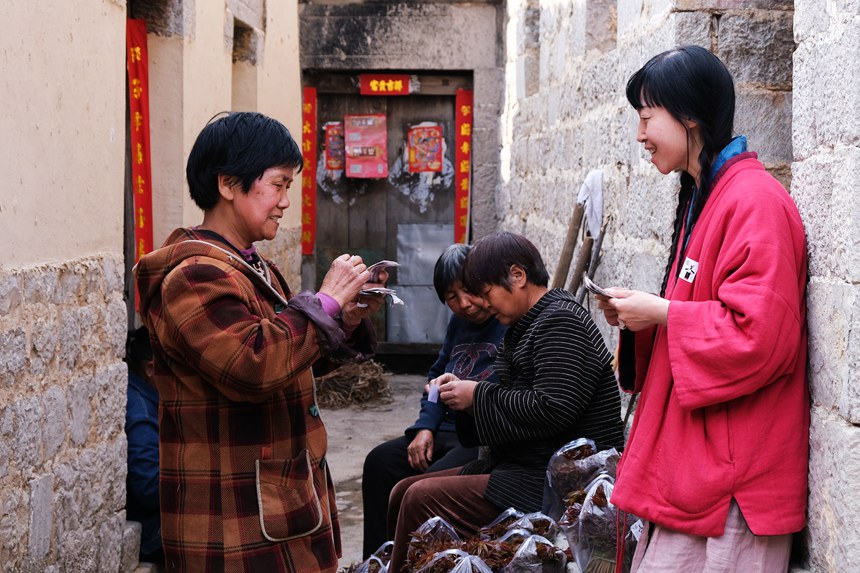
457, 499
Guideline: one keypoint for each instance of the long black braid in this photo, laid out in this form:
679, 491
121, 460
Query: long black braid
699, 198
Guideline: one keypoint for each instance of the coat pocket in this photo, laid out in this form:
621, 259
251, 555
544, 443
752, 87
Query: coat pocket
289, 504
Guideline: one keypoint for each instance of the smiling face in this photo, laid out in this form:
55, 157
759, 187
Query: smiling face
465, 304
258, 212
672, 146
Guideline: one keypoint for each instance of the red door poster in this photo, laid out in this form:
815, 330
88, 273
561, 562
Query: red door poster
366, 146
334, 152
425, 148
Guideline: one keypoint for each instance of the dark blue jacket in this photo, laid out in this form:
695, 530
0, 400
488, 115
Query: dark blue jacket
141, 429
468, 352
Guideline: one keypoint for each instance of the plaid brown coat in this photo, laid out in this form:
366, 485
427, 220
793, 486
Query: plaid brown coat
244, 481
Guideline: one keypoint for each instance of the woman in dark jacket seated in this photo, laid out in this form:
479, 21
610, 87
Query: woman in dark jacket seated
556, 384
431, 443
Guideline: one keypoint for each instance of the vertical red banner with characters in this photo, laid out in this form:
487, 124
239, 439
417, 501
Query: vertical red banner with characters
309, 172
138, 103
462, 163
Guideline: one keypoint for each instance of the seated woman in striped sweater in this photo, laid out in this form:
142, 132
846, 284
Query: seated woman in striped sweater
556, 384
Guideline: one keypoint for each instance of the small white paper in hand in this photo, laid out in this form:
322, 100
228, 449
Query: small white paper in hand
433, 393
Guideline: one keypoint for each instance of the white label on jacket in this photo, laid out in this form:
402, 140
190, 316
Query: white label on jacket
689, 270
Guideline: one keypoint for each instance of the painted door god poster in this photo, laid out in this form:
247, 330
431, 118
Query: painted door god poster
334, 152
425, 148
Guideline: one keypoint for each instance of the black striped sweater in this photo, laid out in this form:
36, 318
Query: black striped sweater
556, 384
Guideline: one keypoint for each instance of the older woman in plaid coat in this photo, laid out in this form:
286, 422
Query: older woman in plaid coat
244, 480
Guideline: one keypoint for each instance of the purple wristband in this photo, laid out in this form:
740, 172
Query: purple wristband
330, 306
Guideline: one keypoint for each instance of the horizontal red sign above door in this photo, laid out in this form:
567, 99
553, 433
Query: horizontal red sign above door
384, 84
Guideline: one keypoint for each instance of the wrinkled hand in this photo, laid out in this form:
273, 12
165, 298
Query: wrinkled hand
456, 394
633, 309
354, 311
420, 450
346, 276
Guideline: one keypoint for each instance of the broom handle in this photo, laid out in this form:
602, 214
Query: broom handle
566, 256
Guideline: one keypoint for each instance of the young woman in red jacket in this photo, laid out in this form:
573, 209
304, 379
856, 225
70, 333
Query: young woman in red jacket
716, 461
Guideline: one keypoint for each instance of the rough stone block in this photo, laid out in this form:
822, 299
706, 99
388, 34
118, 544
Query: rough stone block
67, 499
111, 383
601, 29
92, 465
27, 437
69, 282
826, 84
757, 47
13, 521
805, 108
114, 455
765, 118
113, 270
110, 542
834, 509
92, 280
811, 18
39, 284
601, 82
825, 191
88, 320
80, 410
10, 293
486, 145
833, 351
838, 85
43, 342
13, 352
79, 551
355, 36
722, 5
484, 180
130, 546
693, 28
69, 343
41, 517
489, 84
56, 420
7, 429
629, 16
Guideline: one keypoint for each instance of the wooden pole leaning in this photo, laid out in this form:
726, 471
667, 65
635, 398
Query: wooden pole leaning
566, 255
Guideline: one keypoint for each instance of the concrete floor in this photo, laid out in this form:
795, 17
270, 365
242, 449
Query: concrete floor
352, 433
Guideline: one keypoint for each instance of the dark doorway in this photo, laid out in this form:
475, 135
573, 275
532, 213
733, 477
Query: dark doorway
406, 216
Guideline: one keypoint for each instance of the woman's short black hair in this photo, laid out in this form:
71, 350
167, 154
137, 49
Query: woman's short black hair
242, 145
491, 258
449, 268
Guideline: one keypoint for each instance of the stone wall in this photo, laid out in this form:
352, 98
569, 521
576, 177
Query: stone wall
797, 78
572, 116
62, 413
826, 169
63, 316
